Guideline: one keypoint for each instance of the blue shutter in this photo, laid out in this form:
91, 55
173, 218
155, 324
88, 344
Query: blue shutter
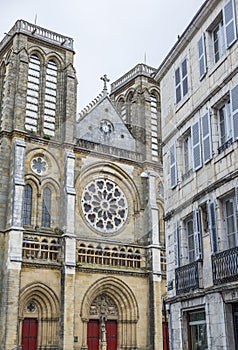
184, 70
176, 245
236, 197
196, 146
212, 226
173, 167
229, 23
206, 138
202, 56
197, 234
178, 92
234, 110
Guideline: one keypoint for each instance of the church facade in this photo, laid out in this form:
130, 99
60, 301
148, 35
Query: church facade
81, 203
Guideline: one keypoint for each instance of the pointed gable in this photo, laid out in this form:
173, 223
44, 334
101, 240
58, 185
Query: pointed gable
102, 124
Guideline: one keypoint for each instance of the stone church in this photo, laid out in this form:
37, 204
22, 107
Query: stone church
81, 203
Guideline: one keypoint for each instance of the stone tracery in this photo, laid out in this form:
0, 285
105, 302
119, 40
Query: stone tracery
104, 205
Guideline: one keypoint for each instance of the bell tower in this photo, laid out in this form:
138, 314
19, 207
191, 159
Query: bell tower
37, 82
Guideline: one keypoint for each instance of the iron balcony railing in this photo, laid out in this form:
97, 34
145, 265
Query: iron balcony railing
225, 266
188, 277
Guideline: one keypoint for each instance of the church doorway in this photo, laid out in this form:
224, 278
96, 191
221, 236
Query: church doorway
102, 335
109, 314
29, 334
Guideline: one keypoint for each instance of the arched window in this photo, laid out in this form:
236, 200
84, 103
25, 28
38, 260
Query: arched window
53, 250
44, 249
46, 207
32, 94
2, 90
154, 126
27, 205
129, 108
122, 109
50, 98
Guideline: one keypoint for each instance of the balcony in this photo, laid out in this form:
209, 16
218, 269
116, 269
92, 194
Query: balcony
116, 258
188, 277
40, 248
225, 266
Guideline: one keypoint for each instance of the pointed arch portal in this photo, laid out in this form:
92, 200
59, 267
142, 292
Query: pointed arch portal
38, 318
110, 314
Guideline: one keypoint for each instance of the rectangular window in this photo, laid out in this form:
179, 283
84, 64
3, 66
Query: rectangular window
218, 41
225, 127
197, 330
187, 153
230, 216
181, 81
223, 31
194, 238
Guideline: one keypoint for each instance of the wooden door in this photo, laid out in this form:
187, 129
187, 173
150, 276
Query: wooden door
93, 335
111, 334
29, 334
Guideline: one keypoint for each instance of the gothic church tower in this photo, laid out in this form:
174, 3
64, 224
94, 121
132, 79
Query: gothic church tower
81, 203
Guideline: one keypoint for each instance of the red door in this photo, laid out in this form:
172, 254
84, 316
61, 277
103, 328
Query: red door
93, 335
165, 336
29, 334
111, 334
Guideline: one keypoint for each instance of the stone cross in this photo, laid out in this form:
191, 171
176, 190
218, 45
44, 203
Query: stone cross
106, 80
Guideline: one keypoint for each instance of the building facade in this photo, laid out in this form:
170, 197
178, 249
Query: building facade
81, 203
199, 111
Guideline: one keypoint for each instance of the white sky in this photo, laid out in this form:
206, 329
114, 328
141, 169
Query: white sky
109, 36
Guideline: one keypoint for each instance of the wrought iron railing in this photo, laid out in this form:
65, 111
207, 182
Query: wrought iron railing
225, 266
188, 277
225, 145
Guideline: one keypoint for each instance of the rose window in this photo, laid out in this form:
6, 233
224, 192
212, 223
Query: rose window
39, 165
104, 205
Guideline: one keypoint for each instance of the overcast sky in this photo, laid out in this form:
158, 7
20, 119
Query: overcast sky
109, 36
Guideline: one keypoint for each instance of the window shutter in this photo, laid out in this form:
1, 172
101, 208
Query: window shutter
173, 167
176, 245
196, 146
211, 211
197, 234
206, 137
236, 198
234, 110
229, 23
178, 91
184, 77
202, 56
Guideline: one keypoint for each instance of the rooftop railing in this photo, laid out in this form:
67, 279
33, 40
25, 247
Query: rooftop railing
139, 69
22, 26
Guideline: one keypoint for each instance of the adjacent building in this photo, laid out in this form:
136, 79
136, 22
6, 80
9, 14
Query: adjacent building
199, 112
81, 203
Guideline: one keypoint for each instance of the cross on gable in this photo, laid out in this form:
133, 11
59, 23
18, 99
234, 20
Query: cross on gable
105, 79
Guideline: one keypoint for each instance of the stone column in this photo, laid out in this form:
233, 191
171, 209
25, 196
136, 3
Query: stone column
14, 239
155, 277
68, 280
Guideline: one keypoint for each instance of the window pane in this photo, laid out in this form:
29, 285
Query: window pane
27, 205
46, 207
